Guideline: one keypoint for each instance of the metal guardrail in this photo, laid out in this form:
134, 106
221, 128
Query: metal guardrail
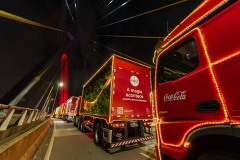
18, 116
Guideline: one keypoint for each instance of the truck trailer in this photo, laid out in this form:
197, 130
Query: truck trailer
58, 112
116, 104
70, 107
197, 85
77, 111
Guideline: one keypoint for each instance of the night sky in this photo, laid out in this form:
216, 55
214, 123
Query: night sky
92, 30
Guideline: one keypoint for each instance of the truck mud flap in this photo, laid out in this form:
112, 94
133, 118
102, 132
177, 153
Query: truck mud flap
131, 141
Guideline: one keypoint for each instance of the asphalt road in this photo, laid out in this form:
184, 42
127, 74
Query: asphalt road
66, 142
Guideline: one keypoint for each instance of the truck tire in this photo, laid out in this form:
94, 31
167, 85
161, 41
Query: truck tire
219, 155
82, 126
104, 145
67, 119
97, 135
74, 122
79, 124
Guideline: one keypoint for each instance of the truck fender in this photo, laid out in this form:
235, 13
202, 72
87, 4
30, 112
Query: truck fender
210, 130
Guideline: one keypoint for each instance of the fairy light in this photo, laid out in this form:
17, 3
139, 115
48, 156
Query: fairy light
175, 42
221, 97
226, 58
105, 85
220, 94
200, 6
98, 71
195, 22
112, 83
183, 141
186, 144
112, 90
158, 138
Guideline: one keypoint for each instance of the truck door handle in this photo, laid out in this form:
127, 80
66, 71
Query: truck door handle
212, 105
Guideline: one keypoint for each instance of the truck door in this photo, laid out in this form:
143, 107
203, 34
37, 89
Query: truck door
185, 91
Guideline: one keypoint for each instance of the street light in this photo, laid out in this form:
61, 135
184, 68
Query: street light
59, 85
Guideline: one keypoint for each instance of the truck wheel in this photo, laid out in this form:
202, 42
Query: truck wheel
74, 122
67, 119
79, 125
219, 155
97, 135
82, 126
104, 145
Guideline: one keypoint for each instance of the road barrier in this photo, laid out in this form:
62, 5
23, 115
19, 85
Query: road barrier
21, 132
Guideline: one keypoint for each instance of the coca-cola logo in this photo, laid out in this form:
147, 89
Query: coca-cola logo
178, 96
134, 81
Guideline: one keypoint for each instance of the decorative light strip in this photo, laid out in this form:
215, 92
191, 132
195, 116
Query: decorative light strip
236, 123
200, 6
158, 138
111, 90
128, 36
105, 85
226, 58
225, 120
105, 64
220, 94
198, 20
217, 89
175, 42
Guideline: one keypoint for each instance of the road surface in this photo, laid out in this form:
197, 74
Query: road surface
66, 142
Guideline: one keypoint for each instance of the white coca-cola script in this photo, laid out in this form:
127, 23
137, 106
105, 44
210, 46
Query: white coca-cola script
178, 96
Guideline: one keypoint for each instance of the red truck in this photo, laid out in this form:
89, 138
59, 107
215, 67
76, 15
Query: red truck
77, 111
58, 112
197, 85
116, 104
70, 107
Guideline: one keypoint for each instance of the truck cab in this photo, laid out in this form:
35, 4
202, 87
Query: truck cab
197, 85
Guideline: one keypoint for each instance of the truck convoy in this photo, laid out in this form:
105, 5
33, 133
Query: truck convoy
197, 85
116, 104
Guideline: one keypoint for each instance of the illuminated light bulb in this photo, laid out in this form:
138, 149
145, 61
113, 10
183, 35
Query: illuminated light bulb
226, 58
218, 89
195, 22
187, 145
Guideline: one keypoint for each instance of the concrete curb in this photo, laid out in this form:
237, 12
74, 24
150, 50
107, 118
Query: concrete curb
24, 146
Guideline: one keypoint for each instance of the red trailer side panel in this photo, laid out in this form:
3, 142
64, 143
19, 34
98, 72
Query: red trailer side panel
131, 90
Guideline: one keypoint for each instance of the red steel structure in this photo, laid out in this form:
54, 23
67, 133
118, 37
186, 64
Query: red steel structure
63, 91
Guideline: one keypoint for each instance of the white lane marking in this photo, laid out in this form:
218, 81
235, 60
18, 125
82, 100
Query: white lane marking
47, 156
147, 156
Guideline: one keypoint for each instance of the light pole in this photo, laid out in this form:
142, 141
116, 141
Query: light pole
59, 85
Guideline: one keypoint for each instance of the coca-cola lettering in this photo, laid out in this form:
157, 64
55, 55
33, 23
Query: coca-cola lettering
178, 96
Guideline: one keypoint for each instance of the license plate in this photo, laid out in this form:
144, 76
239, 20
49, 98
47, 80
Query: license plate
134, 124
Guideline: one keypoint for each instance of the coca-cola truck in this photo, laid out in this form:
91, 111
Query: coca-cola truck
116, 104
77, 111
62, 111
70, 107
59, 110
197, 85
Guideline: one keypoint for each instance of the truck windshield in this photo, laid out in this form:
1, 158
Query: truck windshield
178, 62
